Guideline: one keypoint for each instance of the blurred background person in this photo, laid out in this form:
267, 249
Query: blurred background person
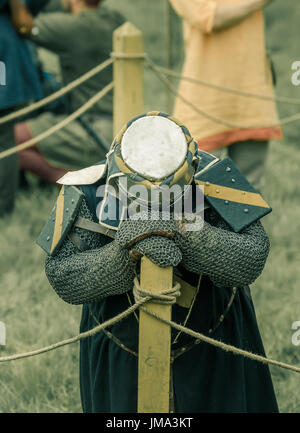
82, 39
225, 45
21, 85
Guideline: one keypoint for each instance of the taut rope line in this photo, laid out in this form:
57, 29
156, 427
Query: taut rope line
58, 94
283, 121
131, 309
160, 72
282, 99
59, 125
130, 56
223, 346
119, 56
78, 337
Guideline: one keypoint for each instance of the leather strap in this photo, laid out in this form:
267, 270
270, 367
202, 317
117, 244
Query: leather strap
86, 224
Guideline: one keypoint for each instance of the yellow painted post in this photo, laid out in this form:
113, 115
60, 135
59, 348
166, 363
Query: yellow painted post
128, 74
154, 343
169, 50
154, 336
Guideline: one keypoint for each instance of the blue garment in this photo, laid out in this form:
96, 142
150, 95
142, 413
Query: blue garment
21, 75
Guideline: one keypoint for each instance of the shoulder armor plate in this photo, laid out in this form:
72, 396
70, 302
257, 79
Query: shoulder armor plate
228, 191
61, 219
86, 176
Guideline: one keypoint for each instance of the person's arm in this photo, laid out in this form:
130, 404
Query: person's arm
208, 15
228, 15
199, 13
229, 259
48, 30
86, 268
53, 30
21, 17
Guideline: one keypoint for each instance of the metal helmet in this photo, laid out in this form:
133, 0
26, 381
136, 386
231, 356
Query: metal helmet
153, 150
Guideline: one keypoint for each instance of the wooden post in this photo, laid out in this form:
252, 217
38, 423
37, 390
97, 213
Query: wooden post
154, 343
169, 50
154, 336
128, 75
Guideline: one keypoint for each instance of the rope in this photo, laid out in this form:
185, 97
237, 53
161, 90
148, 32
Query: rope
119, 56
221, 345
57, 94
168, 298
132, 56
78, 337
131, 309
141, 296
283, 121
59, 125
282, 99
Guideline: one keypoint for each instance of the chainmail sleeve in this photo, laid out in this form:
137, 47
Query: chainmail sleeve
88, 266
229, 259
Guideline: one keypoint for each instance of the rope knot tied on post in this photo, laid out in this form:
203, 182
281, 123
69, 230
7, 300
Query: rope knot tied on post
166, 297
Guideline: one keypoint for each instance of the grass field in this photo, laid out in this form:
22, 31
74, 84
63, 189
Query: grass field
35, 316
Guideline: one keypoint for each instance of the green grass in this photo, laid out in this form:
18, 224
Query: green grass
276, 292
36, 317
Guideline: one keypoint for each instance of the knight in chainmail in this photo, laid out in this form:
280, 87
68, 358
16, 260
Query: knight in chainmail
94, 264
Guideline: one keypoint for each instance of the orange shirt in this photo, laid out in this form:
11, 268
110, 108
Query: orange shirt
234, 57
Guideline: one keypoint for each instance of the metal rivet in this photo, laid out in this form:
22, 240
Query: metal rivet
207, 183
48, 238
217, 190
246, 210
182, 349
244, 192
72, 201
228, 169
226, 202
232, 180
67, 210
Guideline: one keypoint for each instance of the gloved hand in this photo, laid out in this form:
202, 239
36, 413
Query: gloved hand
150, 238
187, 232
161, 250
